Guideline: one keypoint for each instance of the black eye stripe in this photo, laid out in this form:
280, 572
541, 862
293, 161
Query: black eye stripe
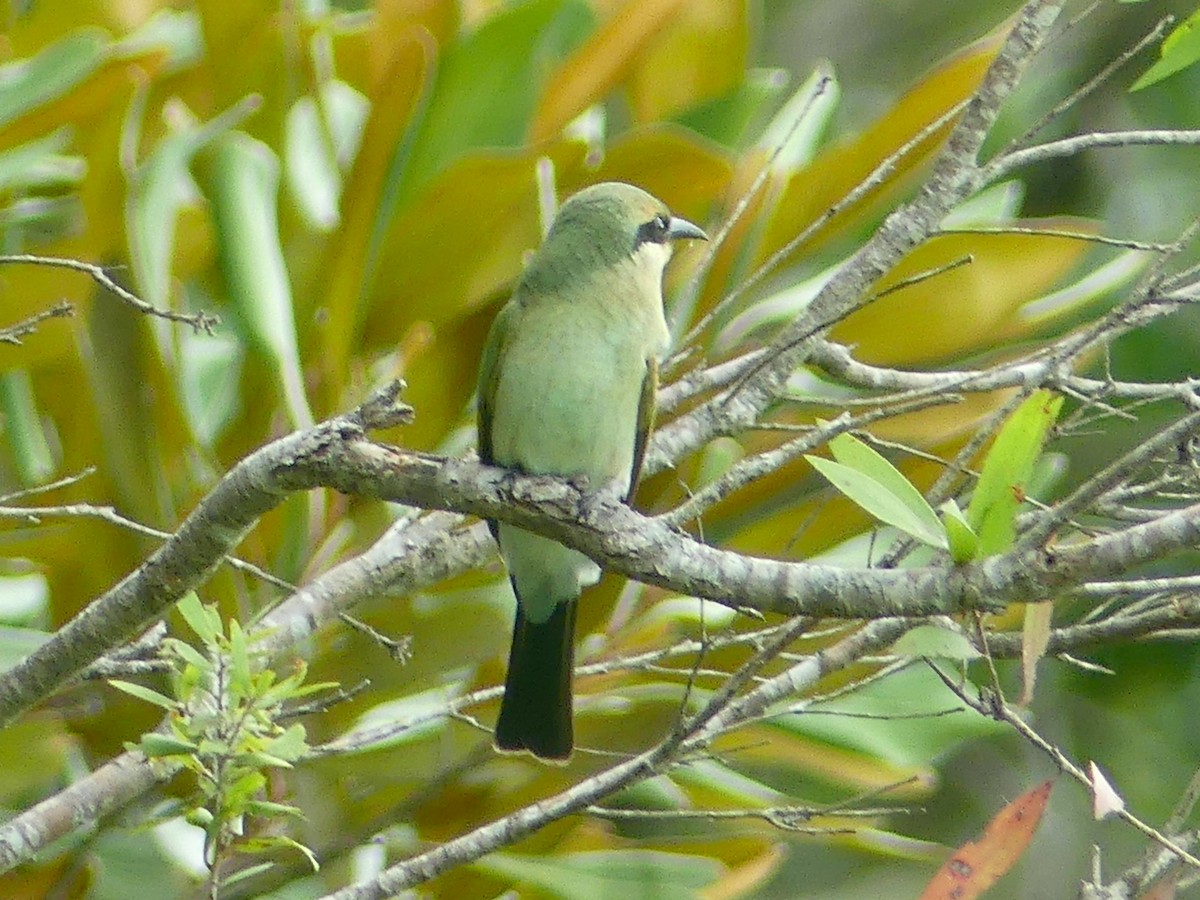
656, 231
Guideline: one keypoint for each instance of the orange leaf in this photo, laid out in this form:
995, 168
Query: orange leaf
1164, 888
977, 865
592, 70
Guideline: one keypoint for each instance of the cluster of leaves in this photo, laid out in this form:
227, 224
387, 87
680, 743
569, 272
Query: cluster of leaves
223, 726
990, 522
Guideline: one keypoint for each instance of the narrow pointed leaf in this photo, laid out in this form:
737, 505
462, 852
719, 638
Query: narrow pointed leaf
1006, 471
878, 487
144, 693
242, 183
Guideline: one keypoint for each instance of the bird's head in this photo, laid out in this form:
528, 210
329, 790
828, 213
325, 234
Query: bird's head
613, 224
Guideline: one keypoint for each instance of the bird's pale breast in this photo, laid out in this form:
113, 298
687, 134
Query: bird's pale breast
567, 399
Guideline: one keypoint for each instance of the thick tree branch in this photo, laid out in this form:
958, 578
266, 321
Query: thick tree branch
337, 454
101, 793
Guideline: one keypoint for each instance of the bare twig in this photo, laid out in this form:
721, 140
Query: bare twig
200, 321
12, 334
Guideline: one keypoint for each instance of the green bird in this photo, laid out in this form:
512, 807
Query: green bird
567, 387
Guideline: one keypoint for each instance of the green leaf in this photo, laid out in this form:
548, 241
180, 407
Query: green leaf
187, 653
269, 810
1180, 50
243, 874
992, 512
717, 458
29, 83
241, 180
610, 873
158, 189
513, 53
41, 166
155, 745
187, 681
266, 844
203, 620
935, 641
213, 747
964, 542
24, 601
878, 487
884, 719
242, 790
144, 693
23, 427
200, 817
239, 658
290, 745
736, 118
265, 760
319, 139
315, 688
177, 33
796, 144
210, 367
714, 779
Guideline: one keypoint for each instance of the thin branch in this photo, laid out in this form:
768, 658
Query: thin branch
955, 177
33, 515
710, 253
12, 334
200, 321
1123, 243
1093, 83
90, 799
996, 708
336, 454
1006, 163
578, 798
65, 481
1113, 474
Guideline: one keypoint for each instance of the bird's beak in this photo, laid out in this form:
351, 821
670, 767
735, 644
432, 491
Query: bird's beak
682, 228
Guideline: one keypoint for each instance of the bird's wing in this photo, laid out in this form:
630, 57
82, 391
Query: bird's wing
645, 421
493, 351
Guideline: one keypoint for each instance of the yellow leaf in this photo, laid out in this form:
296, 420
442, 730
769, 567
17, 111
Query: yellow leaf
834, 173
701, 55
689, 174
964, 309
1035, 638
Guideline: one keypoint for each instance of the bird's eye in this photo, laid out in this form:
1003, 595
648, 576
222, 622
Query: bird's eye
656, 231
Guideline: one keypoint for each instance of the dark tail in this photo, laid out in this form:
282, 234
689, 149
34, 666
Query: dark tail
536, 711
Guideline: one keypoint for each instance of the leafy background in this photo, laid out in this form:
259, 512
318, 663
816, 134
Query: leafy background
352, 191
